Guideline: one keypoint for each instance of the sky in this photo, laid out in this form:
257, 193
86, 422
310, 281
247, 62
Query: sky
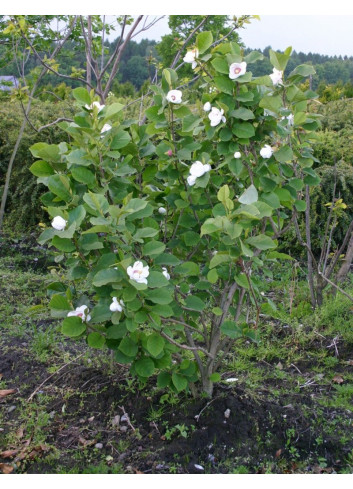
323, 34
281, 25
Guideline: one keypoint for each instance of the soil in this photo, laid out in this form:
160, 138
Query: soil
90, 416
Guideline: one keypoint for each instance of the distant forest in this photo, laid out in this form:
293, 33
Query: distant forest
140, 59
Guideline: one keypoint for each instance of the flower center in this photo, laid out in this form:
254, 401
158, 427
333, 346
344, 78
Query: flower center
237, 70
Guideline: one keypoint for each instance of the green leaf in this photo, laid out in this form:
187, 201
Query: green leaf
90, 242
157, 280
284, 154
204, 41
144, 367
73, 326
164, 310
97, 203
280, 60
59, 302
224, 84
179, 382
83, 175
163, 380
167, 259
249, 196
231, 329
218, 259
112, 110
104, 277
188, 268
243, 130
261, 242
253, 56
195, 303
190, 122
220, 65
281, 256
212, 276
155, 344
135, 205
77, 215
300, 205
242, 280
95, 340
82, 96
215, 377
311, 180
120, 140
60, 186
303, 70
191, 238
41, 169
243, 113
271, 102
160, 296
128, 347
153, 248
144, 233
63, 244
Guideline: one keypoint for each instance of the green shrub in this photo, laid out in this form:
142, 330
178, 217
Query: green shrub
23, 209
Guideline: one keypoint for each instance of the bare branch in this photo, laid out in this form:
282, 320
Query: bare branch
61, 119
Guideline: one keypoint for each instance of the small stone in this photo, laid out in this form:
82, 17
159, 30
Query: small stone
123, 428
91, 419
98, 445
11, 408
231, 379
199, 467
122, 457
227, 413
160, 467
52, 414
124, 418
116, 420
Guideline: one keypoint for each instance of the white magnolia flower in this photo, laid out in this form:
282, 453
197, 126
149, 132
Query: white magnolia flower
237, 155
81, 312
138, 272
165, 273
95, 104
237, 69
190, 57
105, 128
216, 116
162, 210
266, 151
276, 77
207, 107
59, 223
174, 96
197, 169
116, 306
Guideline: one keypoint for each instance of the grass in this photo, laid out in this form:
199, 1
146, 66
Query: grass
300, 355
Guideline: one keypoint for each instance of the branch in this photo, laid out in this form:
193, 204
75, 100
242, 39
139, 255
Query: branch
49, 68
335, 286
177, 56
185, 347
53, 123
119, 54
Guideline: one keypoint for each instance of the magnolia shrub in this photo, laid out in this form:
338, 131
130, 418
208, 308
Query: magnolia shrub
168, 228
